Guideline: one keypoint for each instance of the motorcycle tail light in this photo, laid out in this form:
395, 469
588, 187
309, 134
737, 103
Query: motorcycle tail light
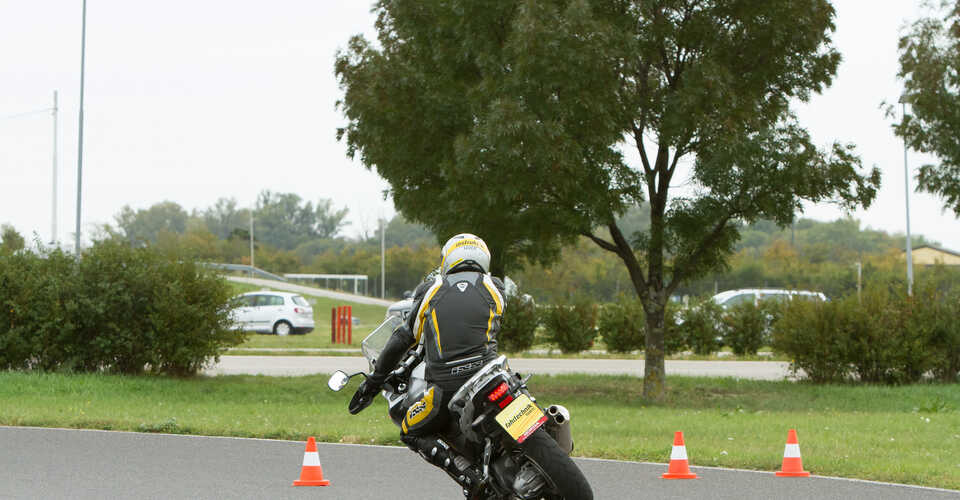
499, 392
507, 400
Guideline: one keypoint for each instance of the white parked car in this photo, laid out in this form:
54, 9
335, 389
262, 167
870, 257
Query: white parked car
280, 313
731, 298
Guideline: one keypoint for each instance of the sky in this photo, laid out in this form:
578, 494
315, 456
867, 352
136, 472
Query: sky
192, 101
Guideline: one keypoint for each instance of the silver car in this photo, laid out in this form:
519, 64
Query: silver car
280, 313
731, 298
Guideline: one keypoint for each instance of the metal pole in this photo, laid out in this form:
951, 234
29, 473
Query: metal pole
251, 241
906, 190
83, 49
383, 273
859, 278
53, 212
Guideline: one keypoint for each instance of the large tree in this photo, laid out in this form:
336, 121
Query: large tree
428, 110
144, 226
283, 220
537, 121
223, 218
930, 68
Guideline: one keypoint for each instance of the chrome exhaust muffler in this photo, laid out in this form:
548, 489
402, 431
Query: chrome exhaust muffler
558, 424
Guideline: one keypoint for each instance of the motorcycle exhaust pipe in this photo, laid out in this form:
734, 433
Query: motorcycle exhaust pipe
560, 427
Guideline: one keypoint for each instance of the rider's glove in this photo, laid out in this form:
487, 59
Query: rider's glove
364, 395
369, 388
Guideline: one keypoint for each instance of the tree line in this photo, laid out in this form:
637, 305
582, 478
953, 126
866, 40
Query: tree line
810, 255
290, 235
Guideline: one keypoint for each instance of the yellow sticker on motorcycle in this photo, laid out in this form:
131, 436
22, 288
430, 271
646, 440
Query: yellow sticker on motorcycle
521, 418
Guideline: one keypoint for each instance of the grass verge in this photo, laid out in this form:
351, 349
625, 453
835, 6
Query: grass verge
899, 434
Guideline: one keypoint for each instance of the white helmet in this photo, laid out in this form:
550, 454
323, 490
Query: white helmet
464, 248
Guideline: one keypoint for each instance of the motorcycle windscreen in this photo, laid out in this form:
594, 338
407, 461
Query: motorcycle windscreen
521, 418
375, 342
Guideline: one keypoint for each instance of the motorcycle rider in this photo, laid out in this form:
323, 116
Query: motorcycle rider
457, 316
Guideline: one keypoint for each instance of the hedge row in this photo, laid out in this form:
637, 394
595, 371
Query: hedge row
879, 337
117, 309
704, 327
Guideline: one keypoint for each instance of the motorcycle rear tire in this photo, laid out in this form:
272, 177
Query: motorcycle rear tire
570, 482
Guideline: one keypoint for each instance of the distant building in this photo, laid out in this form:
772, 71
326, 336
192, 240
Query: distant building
928, 255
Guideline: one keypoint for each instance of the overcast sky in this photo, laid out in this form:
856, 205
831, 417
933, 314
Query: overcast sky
190, 101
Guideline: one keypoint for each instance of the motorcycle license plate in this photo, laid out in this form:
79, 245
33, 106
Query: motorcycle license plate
521, 418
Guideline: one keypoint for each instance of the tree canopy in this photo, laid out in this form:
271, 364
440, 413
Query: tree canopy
224, 219
10, 239
281, 220
445, 111
145, 225
512, 118
930, 68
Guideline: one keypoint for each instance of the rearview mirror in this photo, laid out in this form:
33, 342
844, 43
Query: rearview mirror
338, 381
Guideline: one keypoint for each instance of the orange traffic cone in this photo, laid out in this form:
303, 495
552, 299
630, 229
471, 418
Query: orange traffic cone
792, 463
312, 473
679, 468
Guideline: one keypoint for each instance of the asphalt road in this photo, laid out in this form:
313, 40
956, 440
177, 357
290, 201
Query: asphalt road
79, 464
307, 365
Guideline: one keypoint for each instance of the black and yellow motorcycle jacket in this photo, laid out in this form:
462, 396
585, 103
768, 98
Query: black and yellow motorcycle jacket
457, 317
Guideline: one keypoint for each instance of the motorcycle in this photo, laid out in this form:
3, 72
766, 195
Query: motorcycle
520, 448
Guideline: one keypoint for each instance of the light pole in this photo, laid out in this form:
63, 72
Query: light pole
53, 214
83, 51
251, 243
859, 265
53, 211
906, 193
383, 273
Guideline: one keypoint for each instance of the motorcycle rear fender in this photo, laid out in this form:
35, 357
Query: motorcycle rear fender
477, 382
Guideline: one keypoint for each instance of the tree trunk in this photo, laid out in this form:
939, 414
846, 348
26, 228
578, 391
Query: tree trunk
654, 299
654, 372
497, 262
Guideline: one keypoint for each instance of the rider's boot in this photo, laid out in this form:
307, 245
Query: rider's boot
438, 452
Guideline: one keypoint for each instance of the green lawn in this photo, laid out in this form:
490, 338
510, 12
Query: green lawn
899, 434
369, 316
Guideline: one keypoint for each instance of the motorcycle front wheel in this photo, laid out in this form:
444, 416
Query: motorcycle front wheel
569, 481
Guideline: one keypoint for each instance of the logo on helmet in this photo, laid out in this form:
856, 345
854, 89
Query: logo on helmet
464, 251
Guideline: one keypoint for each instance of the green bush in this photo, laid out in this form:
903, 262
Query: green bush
889, 335
117, 309
190, 318
939, 313
519, 324
702, 326
674, 338
747, 327
879, 337
807, 332
571, 325
622, 325
37, 304
870, 327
